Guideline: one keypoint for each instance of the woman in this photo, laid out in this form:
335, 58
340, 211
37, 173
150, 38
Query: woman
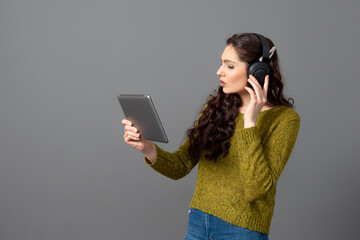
242, 141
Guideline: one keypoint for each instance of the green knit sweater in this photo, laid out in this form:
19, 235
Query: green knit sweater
240, 187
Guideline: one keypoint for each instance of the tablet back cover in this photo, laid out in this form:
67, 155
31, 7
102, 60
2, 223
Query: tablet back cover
140, 110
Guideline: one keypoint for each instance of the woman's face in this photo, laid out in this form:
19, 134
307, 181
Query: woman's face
232, 72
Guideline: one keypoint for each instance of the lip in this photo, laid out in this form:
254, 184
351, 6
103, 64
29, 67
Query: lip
222, 84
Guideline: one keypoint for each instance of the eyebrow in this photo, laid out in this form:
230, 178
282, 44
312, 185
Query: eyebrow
227, 60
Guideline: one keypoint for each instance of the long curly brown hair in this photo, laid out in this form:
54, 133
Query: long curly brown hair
212, 131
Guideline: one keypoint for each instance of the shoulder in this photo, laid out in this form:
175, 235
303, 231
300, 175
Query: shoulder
288, 120
280, 117
285, 113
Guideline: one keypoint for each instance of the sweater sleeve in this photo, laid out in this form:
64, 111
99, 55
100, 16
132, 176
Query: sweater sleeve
263, 162
173, 165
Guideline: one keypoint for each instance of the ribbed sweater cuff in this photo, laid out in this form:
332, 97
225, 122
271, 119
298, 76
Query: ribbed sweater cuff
248, 134
161, 163
157, 159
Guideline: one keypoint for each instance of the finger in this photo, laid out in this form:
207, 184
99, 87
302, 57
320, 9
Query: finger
128, 138
126, 122
266, 86
256, 87
132, 138
131, 129
131, 142
252, 94
132, 134
255, 80
254, 84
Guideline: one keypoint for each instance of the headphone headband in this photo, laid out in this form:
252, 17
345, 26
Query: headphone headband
265, 48
260, 68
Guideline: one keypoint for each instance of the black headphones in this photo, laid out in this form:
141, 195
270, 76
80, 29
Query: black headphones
260, 69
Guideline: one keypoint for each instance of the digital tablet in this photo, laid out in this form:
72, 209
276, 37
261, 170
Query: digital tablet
140, 110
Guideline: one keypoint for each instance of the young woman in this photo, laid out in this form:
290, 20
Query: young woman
241, 140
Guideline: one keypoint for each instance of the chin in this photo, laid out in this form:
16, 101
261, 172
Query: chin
225, 91
230, 91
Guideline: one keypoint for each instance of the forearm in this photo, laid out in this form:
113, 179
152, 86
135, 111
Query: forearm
256, 174
262, 162
173, 165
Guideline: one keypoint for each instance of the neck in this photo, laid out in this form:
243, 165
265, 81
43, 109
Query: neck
245, 99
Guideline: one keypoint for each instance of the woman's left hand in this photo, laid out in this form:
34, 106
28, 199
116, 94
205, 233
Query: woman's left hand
257, 102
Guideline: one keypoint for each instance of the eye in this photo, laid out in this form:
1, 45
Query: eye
231, 67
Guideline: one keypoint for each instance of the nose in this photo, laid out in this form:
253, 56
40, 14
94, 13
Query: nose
219, 72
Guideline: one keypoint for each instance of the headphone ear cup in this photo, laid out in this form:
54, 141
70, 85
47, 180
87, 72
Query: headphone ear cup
259, 70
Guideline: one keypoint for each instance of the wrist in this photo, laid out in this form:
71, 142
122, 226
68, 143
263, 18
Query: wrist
150, 151
249, 124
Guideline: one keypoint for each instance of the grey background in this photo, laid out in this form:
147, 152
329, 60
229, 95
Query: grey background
65, 172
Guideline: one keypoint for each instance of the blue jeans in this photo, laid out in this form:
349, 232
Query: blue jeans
204, 226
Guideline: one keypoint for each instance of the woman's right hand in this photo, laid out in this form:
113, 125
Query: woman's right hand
133, 138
